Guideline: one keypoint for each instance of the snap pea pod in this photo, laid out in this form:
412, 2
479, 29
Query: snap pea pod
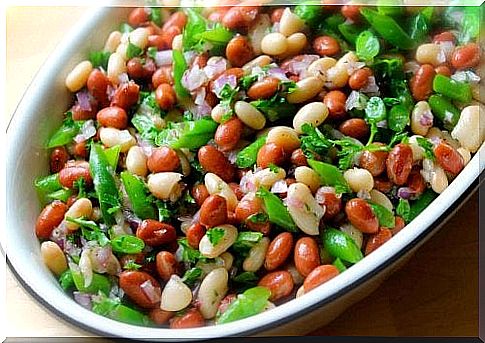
367, 46
444, 110
455, 90
66, 280
188, 134
388, 28
99, 283
276, 210
112, 308
247, 157
391, 8
179, 67
104, 183
350, 32
62, 194
65, 133
341, 245
385, 217
330, 175
127, 244
247, 304
417, 206
47, 185
112, 155
138, 194
339, 264
419, 27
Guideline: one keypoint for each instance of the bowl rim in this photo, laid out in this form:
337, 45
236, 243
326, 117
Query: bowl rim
410, 237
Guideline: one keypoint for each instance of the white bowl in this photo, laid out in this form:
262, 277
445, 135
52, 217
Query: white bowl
40, 113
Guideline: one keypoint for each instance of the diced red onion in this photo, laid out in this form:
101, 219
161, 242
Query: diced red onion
216, 65
221, 81
85, 267
123, 78
84, 101
371, 87
199, 96
87, 131
163, 58
194, 78
147, 147
231, 156
279, 187
355, 100
411, 67
300, 66
447, 48
353, 66
100, 257
110, 91
247, 183
278, 73
190, 56
150, 291
295, 203
426, 119
405, 193
83, 299
202, 111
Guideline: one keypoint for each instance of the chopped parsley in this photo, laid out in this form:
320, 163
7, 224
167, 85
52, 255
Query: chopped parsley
215, 235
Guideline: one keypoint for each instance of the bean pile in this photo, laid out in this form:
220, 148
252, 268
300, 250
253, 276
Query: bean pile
219, 161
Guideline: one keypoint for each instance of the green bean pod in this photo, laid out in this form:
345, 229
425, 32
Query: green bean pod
444, 110
452, 89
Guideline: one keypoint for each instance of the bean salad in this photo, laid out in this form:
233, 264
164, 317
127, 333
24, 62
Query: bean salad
217, 162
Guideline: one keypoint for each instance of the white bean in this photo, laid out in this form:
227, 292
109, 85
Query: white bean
430, 53
209, 266
212, 290
268, 177
207, 249
284, 136
249, 115
111, 137
215, 185
218, 112
165, 185
255, 259
113, 41
359, 179
53, 257
274, 43
421, 118
228, 260
300, 292
296, 42
290, 23
116, 67
176, 295
78, 77
320, 67
260, 61
122, 49
380, 198
337, 77
465, 154
139, 37
177, 42
304, 209
470, 129
313, 113
295, 274
307, 176
81, 208
439, 181
305, 90
353, 232
418, 151
136, 161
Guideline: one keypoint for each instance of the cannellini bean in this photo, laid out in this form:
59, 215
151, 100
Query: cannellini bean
285, 137
139, 37
380, 198
116, 67
290, 23
210, 251
113, 41
121, 50
435, 175
418, 151
296, 42
256, 256
53, 257
308, 177
212, 290
305, 90
320, 67
359, 179
228, 260
81, 208
136, 161
303, 208
215, 185
465, 154
78, 77
337, 77
267, 177
177, 42
215, 263
218, 112
260, 61
313, 113
430, 53
249, 115
274, 43
470, 129
295, 274
348, 58
353, 232
165, 185
176, 295
421, 118
300, 292
110, 137
257, 32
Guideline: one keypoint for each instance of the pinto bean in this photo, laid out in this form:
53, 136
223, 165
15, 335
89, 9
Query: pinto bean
361, 215
399, 163
138, 16
162, 75
213, 211
126, 95
166, 265
97, 85
228, 134
165, 96
159, 316
264, 89
200, 193
240, 17
377, 239
448, 158
326, 197
280, 284
79, 113
421, 83
214, 161
113, 116
445, 36
466, 56
306, 255
355, 127
155, 233
190, 319
50, 217
416, 182
351, 12
373, 161
359, 78
326, 46
58, 159
177, 19
298, 158
270, 153
73, 171
278, 251
335, 102
132, 283
163, 159
319, 276
194, 234
239, 51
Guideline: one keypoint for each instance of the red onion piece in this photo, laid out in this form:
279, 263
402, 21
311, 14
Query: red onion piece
299, 66
279, 187
194, 78
82, 299
84, 100
278, 73
215, 66
405, 193
152, 292
87, 131
163, 58
221, 81
426, 119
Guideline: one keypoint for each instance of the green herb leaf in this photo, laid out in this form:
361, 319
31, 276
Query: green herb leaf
133, 50
188, 254
403, 210
330, 175
127, 244
156, 15
275, 108
386, 217
245, 241
65, 134
341, 245
367, 46
398, 117
90, 230
138, 195
66, 280
258, 218
276, 210
99, 59
314, 143
427, 146
215, 235
191, 276
125, 28
247, 304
